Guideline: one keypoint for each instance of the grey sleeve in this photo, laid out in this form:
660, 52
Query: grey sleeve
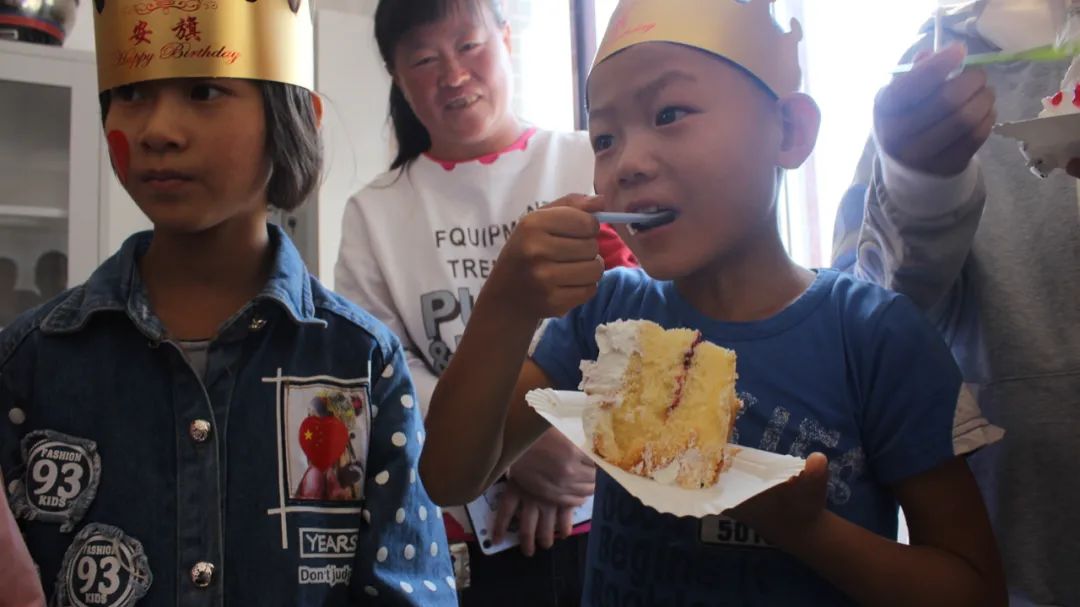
919, 254
908, 231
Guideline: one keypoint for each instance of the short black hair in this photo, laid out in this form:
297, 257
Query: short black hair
394, 19
293, 143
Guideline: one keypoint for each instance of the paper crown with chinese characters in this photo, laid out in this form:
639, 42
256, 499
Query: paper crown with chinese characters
743, 32
140, 40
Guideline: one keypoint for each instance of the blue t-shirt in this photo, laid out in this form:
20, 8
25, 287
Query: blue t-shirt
848, 369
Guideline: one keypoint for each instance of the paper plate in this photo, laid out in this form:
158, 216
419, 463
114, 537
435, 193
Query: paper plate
1046, 143
752, 470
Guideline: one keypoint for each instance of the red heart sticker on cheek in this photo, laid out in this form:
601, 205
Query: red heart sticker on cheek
120, 154
323, 440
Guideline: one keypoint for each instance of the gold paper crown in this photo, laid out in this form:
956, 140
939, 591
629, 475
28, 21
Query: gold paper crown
743, 32
141, 40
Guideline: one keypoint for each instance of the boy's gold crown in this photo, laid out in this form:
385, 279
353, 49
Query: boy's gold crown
141, 40
743, 32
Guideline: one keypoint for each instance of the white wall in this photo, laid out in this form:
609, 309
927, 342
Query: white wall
81, 36
362, 7
356, 133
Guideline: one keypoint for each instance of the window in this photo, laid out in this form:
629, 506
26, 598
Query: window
543, 62
844, 66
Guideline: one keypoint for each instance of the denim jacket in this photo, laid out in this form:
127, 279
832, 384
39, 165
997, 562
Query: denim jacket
287, 475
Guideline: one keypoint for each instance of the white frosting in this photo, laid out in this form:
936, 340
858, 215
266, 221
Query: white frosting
602, 379
593, 419
690, 464
668, 474
1065, 106
1069, 93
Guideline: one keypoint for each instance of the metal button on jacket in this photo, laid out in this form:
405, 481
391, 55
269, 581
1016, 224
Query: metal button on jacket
202, 574
200, 430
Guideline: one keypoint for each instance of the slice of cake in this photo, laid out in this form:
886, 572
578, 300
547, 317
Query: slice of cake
662, 402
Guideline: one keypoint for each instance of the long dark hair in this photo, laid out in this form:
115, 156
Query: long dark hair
293, 143
394, 19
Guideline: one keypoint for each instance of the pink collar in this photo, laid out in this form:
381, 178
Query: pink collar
521, 144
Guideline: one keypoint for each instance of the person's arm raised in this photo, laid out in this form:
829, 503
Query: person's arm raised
478, 422
925, 199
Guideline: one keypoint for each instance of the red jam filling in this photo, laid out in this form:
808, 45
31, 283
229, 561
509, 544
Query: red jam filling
680, 384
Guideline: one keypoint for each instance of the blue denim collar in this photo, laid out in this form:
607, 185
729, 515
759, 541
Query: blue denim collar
117, 286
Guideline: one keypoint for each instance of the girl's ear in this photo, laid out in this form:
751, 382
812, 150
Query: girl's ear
316, 104
801, 121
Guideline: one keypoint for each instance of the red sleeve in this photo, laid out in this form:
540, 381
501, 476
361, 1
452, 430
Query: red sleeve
614, 250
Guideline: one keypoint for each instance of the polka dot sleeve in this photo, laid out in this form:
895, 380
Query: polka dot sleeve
402, 556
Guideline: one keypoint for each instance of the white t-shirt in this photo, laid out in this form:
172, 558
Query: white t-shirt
418, 245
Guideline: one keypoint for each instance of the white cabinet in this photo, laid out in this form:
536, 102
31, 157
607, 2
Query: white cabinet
59, 213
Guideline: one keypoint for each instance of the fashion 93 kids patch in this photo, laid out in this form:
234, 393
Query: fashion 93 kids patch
102, 567
324, 428
58, 480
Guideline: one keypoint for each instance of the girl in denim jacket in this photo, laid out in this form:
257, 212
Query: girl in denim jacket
202, 422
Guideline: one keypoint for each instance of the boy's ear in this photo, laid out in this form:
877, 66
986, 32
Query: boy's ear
316, 104
801, 120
